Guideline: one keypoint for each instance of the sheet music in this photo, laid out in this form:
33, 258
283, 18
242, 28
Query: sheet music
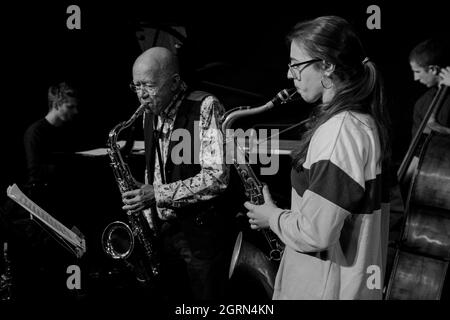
18, 196
285, 147
138, 147
100, 151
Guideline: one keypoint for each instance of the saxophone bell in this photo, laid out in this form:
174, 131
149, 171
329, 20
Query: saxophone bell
118, 240
254, 263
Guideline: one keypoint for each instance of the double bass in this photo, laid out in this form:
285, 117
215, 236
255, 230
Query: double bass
423, 252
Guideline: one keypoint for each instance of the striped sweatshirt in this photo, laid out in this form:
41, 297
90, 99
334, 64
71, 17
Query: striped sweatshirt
336, 231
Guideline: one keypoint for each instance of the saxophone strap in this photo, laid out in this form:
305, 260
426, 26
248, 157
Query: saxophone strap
149, 145
156, 140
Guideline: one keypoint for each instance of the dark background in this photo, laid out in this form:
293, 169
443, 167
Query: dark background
235, 44
246, 38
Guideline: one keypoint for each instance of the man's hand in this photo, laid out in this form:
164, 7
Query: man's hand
139, 199
445, 76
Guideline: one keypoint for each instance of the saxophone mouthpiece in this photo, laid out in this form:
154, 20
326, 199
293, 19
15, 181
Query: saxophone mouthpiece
284, 96
143, 106
292, 92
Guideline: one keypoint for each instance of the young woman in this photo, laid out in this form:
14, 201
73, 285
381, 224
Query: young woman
336, 231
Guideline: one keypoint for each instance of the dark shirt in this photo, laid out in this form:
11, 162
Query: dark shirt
421, 108
53, 174
43, 141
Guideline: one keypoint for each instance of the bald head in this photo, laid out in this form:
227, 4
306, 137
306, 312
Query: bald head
157, 62
155, 73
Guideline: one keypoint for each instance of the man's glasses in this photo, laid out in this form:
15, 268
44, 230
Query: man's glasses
295, 70
150, 89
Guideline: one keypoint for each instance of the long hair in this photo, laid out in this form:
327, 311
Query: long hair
360, 89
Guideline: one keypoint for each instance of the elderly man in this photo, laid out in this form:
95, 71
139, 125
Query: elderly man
189, 194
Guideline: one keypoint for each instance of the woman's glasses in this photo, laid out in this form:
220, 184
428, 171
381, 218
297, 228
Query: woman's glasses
295, 70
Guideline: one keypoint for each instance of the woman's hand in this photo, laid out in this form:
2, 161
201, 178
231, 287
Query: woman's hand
260, 214
139, 199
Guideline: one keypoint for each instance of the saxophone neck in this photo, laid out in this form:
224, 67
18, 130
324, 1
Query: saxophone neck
139, 111
114, 133
230, 116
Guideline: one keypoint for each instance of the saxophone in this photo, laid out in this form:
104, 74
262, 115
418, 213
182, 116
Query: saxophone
118, 238
246, 255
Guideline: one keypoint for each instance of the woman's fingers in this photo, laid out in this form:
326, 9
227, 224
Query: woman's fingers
249, 206
251, 215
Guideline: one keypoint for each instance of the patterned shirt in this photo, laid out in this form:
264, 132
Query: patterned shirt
214, 174
336, 231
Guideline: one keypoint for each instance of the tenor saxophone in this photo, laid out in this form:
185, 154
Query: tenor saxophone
246, 255
118, 238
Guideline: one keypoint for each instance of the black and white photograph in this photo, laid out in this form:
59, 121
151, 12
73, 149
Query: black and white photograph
210, 159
